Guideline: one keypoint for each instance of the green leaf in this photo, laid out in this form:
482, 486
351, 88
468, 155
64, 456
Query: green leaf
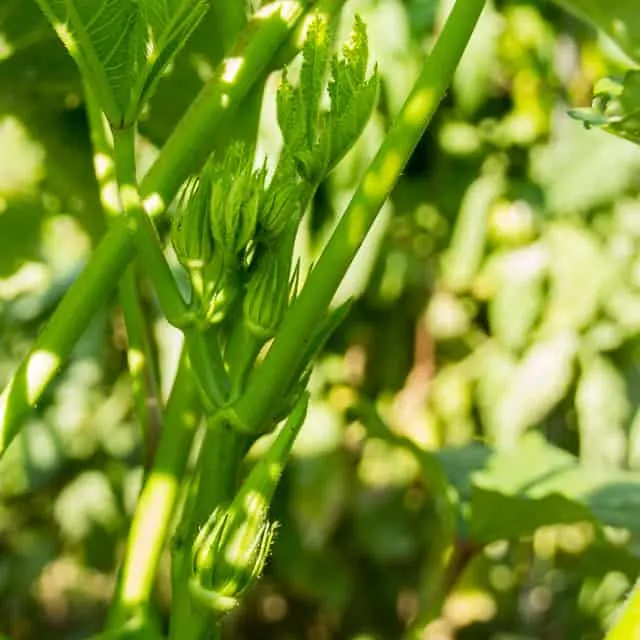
580, 170
353, 96
122, 46
538, 484
316, 140
291, 116
615, 107
511, 494
100, 37
619, 19
462, 260
169, 24
495, 369
519, 296
536, 386
315, 61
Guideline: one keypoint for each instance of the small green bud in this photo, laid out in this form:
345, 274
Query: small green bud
230, 551
281, 205
267, 294
235, 200
229, 554
190, 232
222, 286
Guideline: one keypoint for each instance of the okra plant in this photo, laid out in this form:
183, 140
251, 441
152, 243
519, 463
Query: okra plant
251, 317
252, 321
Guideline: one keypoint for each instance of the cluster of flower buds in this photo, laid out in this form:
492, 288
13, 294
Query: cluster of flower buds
226, 232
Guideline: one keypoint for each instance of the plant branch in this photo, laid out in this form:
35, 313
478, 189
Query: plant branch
274, 376
222, 452
142, 370
157, 502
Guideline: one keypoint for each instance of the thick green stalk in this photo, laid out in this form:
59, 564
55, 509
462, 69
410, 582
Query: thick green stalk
188, 146
275, 375
230, 17
157, 502
627, 624
185, 152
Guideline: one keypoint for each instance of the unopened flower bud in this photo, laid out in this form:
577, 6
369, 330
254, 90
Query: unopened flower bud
190, 231
229, 555
231, 549
235, 200
267, 294
222, 288
281, 205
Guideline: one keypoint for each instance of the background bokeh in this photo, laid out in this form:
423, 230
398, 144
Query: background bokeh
470, 466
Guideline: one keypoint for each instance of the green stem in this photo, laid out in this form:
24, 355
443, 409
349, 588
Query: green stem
148, 242
275, 374
156, 505
69, 321
240, 355
188, 146
207, 364
144, 381
185, 152
140, 362
230, 18
627, 625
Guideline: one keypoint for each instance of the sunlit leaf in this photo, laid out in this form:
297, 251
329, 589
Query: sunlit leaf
122, 46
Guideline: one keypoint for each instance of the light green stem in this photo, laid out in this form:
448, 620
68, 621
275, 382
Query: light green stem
156, 505
189, 145
141, 365
269, 380
148, 243
142, 370
184, 153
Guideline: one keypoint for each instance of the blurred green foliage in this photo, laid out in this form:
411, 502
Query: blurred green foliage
470, 467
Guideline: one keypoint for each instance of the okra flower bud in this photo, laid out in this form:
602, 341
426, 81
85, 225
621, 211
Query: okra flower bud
281, 205
221, 289
229, 554
267, 294
230, 551
235, 200
190, 231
